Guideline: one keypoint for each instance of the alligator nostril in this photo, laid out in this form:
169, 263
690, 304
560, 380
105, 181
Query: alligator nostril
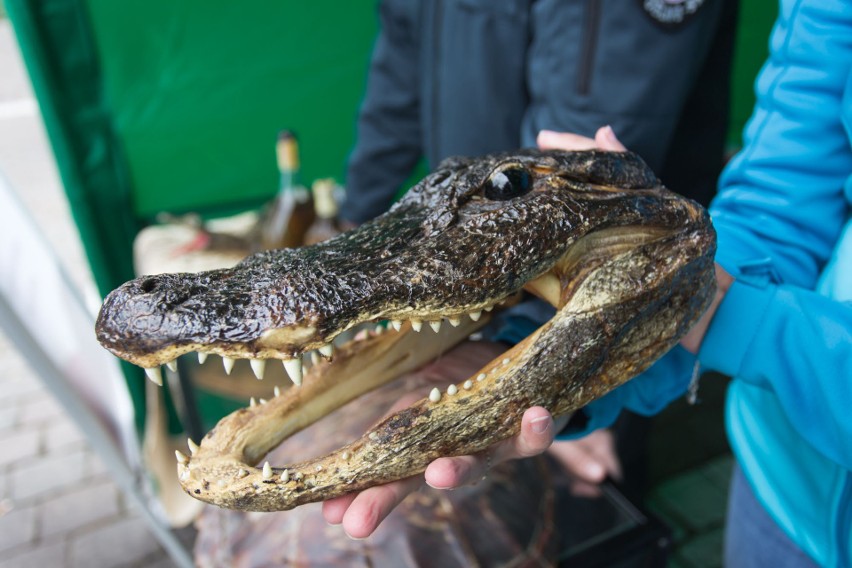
148, 285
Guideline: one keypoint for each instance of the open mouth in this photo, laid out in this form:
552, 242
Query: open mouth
628, 271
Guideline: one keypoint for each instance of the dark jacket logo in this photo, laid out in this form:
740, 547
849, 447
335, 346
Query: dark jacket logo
671, 12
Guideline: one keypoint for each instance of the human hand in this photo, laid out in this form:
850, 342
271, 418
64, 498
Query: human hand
604, 139
693, 339
361, 513
588, 460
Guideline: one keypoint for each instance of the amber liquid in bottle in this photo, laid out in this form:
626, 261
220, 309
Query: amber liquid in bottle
325, 206
292, 212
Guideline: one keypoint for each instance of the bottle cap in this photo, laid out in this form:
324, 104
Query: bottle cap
324, 203
287, 151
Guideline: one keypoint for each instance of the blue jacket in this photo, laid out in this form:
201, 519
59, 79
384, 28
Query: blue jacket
784, 330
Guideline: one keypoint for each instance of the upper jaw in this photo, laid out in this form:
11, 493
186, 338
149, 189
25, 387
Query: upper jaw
414, 263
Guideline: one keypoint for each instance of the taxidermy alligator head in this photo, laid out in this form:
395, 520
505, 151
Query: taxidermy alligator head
627, 264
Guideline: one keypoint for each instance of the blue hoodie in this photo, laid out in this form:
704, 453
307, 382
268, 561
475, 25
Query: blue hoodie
784, 329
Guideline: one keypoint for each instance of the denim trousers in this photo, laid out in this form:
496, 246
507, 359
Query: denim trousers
752, 538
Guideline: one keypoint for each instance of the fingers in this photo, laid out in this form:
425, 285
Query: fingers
362, 513
537, 432
589, 461
550, 140
604, 139
334, 509
579, 462
536, 435
449, 473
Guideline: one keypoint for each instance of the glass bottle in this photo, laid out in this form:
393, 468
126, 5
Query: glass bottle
291, 213
326, 207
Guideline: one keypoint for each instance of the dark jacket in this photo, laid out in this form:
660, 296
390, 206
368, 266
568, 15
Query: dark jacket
468, 77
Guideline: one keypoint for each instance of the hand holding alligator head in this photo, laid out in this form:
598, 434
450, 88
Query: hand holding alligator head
627, 264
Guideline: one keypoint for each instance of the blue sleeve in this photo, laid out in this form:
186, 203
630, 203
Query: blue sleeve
780, 214
388, 145
796, 343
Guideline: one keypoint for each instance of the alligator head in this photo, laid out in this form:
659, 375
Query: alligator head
627, 264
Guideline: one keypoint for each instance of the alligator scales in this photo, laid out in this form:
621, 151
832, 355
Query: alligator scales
627, 264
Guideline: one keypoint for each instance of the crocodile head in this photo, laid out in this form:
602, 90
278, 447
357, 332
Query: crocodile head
627, 264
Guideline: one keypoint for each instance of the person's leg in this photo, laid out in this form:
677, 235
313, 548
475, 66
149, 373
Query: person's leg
752, 538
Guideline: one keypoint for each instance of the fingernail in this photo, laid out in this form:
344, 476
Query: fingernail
595, 471
546, 136
541, 424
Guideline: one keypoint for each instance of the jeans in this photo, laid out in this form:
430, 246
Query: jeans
752, 538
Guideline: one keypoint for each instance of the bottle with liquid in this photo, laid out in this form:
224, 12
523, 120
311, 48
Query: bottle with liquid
292, 212
326, 207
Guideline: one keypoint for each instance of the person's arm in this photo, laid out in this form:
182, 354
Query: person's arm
388, 144
778, 216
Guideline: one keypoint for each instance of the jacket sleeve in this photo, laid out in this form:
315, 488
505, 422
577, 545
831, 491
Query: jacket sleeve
388, 143
779, 213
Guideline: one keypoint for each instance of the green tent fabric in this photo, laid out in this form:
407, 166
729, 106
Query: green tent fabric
175, 106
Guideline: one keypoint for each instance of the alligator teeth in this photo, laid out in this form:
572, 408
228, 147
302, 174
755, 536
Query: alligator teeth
435, 395
315, 358
468, 384
397, 325
475, 315
202, 357
435, 325
181, 458
294, 369
416, 325
276, 391
229, 364
327, 350
481, 377
155, 374
452, 389
258, 366
285, 475
263, 401
380, 329
455, 322
172, 365
193, 447
488, 308
267, 471
252, 402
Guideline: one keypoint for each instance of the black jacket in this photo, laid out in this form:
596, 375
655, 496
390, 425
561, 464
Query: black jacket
468, 77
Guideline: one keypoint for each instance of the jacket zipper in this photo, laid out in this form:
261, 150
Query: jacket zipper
436, 79
588, 47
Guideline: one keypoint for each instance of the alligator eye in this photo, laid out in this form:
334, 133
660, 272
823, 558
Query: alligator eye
507, 183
